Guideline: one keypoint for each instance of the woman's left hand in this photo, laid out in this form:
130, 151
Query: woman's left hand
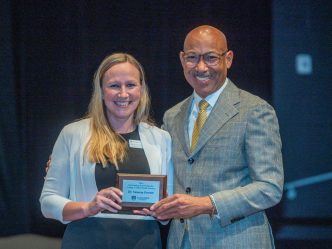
143, 211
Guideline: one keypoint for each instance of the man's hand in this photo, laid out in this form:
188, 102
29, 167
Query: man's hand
48, 164
181, 206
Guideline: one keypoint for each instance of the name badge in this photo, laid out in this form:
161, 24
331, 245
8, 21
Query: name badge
135, 144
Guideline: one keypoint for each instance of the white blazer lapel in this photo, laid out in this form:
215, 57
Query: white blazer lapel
151, 148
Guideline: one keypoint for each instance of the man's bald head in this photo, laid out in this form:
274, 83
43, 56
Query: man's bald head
206, 32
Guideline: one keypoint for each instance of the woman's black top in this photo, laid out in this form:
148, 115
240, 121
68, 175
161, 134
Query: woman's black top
107, 233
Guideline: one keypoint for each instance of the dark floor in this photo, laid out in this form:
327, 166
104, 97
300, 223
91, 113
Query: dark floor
303, 244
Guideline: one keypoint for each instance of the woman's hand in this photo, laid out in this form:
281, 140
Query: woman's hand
143, 211
106, 199
148, 212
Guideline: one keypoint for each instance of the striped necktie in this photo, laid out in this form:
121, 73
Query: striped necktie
201, 118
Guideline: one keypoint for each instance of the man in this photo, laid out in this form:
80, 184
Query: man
227, 178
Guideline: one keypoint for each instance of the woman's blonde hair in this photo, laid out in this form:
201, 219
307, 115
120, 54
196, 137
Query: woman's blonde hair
104, 144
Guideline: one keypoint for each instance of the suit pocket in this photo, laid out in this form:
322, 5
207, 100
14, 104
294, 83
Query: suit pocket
228, 137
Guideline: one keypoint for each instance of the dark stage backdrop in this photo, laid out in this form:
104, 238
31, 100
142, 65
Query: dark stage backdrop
50, 50
302, 94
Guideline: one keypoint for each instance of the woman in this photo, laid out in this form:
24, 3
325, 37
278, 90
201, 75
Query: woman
116, 136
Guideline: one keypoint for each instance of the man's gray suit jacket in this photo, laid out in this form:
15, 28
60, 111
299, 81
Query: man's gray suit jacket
238, 160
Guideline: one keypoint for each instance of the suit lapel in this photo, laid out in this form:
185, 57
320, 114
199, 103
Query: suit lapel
181, 125
223, 111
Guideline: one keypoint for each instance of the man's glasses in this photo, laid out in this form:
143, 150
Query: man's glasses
210, 59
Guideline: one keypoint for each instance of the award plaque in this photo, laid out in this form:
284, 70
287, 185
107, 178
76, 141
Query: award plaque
141, 190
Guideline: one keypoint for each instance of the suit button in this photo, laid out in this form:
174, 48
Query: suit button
191, 160
181, 220
188, 190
